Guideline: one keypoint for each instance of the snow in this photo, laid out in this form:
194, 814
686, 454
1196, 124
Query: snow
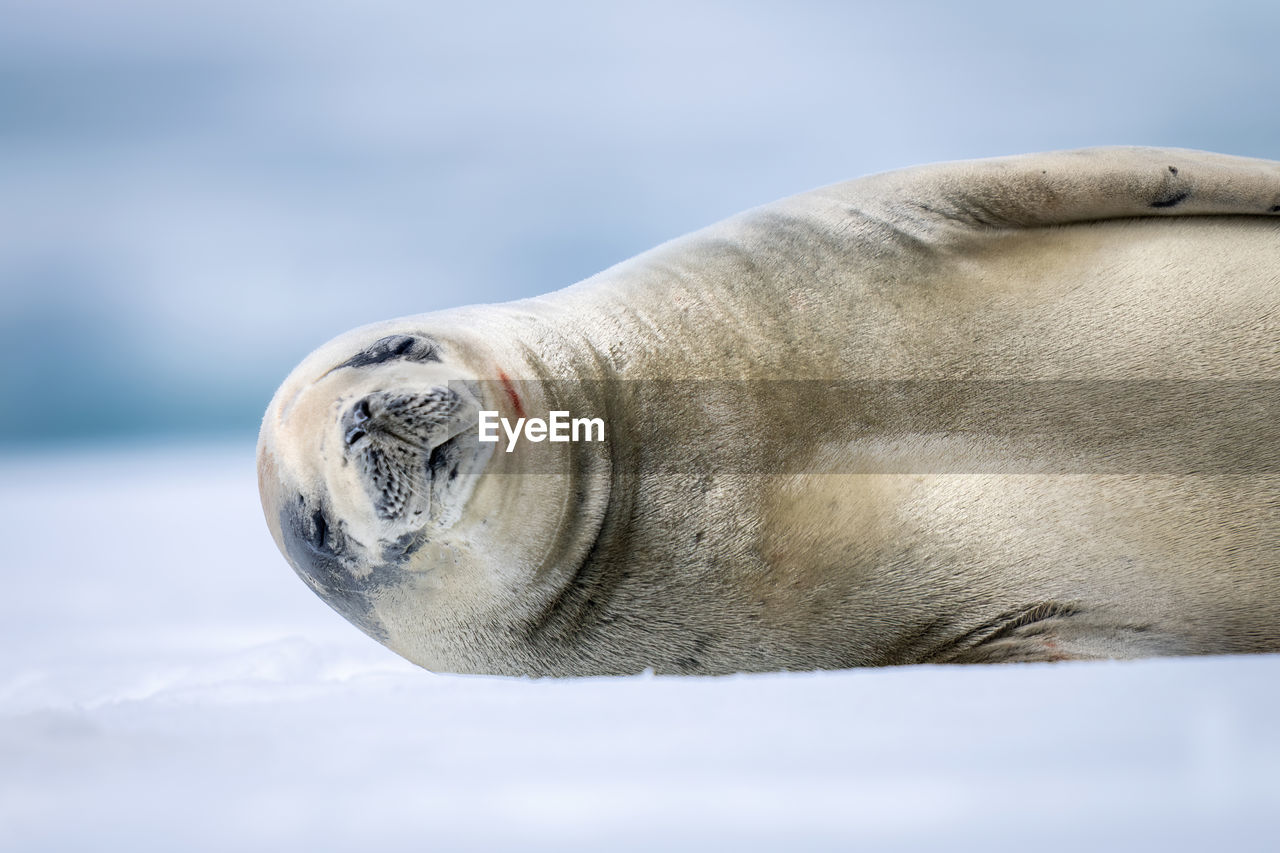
167, 683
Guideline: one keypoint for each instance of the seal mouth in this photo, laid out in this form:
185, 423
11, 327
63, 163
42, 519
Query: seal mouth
446, 458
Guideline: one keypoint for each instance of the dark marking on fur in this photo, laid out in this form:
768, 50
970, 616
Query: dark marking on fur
1173, 170
1275, 208
1172, 200
396, 553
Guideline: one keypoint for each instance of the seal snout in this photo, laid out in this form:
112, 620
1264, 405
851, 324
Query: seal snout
410, 450
413, 419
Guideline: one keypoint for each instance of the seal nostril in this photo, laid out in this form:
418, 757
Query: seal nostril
361, 412
355, 434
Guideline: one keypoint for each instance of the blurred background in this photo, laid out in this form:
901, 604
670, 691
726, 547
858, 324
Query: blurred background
194, 195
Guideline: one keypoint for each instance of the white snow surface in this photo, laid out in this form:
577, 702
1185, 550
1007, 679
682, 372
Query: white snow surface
167, 683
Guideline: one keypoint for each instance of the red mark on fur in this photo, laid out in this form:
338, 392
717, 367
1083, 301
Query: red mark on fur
511, 392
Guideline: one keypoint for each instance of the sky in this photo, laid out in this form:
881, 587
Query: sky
196, 195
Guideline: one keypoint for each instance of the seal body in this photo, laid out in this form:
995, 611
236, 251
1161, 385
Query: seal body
1015, 409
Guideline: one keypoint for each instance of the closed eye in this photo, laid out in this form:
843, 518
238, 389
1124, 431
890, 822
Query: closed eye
320, 531
311, 529
418, 348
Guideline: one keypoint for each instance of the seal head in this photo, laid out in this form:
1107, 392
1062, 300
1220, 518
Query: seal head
385, 456
385, 502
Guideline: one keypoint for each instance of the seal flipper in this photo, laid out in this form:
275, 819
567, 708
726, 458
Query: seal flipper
1060, 188
1053, 631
